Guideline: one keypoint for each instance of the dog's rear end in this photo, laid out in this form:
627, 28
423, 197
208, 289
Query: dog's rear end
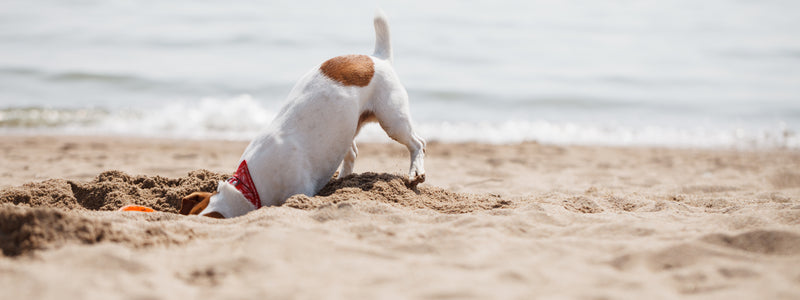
314, 132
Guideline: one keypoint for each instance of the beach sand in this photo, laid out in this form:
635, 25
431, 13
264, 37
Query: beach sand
518, 221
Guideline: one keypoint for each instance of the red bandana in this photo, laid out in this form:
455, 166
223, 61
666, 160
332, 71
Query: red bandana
244, 183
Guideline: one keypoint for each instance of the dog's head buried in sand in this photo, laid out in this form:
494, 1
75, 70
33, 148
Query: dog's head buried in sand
313, 134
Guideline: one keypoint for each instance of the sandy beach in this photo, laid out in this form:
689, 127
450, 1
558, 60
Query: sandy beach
521, 221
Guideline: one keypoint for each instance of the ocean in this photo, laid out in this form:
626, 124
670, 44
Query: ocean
707, 74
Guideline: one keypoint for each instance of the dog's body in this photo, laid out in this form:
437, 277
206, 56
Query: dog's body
314, 133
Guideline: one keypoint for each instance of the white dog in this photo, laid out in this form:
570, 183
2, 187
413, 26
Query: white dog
314, 133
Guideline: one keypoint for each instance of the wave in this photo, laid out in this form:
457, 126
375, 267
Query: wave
242, 117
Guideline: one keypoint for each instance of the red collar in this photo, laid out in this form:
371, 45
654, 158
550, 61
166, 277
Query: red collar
242, 181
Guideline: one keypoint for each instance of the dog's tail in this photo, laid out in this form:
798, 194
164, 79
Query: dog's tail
383, 43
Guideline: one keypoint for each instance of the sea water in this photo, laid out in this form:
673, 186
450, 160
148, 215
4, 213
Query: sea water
679, 73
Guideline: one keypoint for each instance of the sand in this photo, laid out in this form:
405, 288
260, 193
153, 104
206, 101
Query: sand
493, 221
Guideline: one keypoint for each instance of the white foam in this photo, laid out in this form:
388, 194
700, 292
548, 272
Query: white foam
242, 117
237, 118
582, 134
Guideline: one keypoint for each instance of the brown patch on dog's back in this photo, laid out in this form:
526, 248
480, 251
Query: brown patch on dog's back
349, 69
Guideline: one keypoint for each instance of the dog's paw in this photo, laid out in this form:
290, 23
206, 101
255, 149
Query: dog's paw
413, 181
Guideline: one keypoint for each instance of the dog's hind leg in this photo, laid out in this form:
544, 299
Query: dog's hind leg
394, 117
349, 160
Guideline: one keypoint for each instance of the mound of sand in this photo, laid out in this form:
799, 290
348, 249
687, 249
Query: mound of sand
24, 230
395, 190
111, 190
56, 212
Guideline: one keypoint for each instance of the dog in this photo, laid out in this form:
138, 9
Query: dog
314, 133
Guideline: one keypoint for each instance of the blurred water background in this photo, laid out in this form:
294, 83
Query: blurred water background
680, 73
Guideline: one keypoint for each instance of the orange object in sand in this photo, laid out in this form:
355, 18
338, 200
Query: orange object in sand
136, 208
